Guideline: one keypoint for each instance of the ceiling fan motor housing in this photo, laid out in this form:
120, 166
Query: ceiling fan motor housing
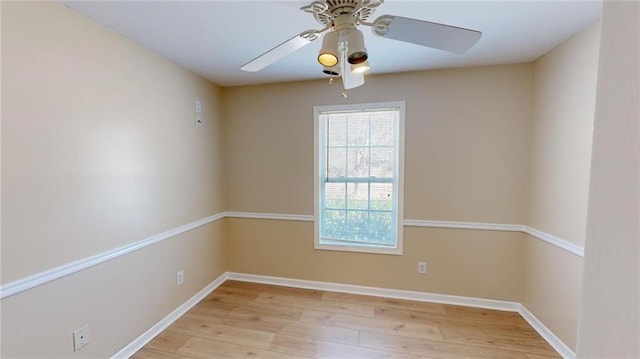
326, 11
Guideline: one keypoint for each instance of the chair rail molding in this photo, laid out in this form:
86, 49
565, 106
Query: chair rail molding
41, 278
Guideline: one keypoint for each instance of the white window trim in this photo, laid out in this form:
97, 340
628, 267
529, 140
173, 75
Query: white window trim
398, 250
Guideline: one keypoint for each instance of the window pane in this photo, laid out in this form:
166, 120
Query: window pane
357, 227
336, 131
334, 195
382, 162
358, 128
336, 162
334, 224
358, 196
382, 130
382, 227
358, 165
381, 196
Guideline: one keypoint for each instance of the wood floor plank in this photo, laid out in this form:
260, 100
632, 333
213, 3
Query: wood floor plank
168, 342
487, 338
221, 301
384, 302
221, 332
275, 310
317, 304
321, 349
479, 313
414, 330
514, 322
235, 292
326, 333
146, 353
239, 318
439, 349
206, 349
276, 289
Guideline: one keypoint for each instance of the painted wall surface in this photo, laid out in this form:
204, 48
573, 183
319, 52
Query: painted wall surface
466, 145
551, 287
564, 90
100, 150
610, 308
285, 249
466, 153
564, 99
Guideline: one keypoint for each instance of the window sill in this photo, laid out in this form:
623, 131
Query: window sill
362, 248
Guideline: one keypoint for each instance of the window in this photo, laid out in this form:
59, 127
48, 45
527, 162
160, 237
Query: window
359, 154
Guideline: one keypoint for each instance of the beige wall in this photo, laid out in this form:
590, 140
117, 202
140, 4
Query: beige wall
466, 157
610, 307
99, 150
564, 99
466, 144
564, 90
551, 287
480, 264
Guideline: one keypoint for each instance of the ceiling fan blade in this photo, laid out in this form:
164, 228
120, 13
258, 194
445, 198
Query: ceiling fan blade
438, 36
281, 51
349, 79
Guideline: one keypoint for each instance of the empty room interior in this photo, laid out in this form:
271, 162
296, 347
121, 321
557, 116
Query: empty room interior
144, 171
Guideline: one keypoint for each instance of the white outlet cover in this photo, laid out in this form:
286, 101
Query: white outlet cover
80, 338
422, 267
198, 106
179, 278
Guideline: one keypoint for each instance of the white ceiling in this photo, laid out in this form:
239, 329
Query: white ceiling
215, 38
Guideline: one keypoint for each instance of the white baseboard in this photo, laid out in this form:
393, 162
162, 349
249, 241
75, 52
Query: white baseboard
165, 322
493, 304
546, 334
379, 292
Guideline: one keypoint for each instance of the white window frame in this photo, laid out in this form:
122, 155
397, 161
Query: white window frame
398, 187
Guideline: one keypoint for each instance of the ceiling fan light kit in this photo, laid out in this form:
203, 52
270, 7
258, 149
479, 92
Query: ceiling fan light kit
328, 55
343, 42
357, 53
360, 68
331, 71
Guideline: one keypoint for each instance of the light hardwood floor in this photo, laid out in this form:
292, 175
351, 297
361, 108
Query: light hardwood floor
248, 320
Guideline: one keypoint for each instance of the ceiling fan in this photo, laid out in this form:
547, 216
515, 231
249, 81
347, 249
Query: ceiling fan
343, 52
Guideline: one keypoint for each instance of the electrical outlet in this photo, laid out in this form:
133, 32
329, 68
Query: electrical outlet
198, 107
179, 278
422, 267
80, 338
